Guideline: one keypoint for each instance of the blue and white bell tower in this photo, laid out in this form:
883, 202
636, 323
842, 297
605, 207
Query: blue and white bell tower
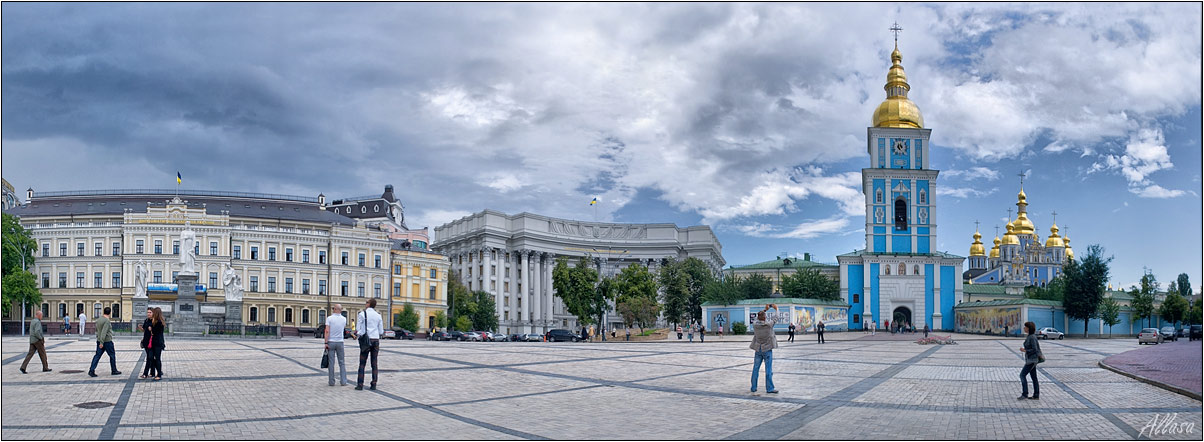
899, 276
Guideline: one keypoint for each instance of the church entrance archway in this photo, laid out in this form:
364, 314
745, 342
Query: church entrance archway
901, 316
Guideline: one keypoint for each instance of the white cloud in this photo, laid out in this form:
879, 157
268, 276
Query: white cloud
1144, 154
806, 230
1156, 191
963, 192
973, 173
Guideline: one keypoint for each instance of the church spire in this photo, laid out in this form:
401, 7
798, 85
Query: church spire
897, 110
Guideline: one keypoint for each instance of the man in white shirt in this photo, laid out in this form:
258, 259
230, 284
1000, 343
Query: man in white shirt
335, 324
83, 320
369, 325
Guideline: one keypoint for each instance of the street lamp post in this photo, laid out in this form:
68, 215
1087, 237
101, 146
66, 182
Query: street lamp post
22, 251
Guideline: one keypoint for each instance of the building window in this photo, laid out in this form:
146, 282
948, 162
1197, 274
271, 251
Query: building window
305, 255
288, 285
878, 196
321, 257
79, 249
900, 214
212, 248
915, 269
116, 280
96, 309
271, 314
434, 290
288, 254
98, 280
237, 252
175, 277
116, 248
360, 292
856, 298
434, 274
116, 311
343, 289
288, 316
856, 318
305, 316
254, 252
175, 247
377, 261
361, 261
254, 314
158, 276
45, 250
321, 286
396, 289
305, 286
271, 253
158, 247
63, 249
344, 258
902, 269
45, 280
271, 284
196, 248
397, 269
321, 316
376, 290
99, 248
923, 196
212, 279
62, 310
254, 283
79, 280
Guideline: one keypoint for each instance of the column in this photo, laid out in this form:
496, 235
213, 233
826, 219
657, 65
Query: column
537, 294
497, 300
526, 292
549, 298
513, 292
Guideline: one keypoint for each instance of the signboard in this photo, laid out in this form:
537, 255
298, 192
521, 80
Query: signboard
217, 309
160, 287
186, 307
165, 307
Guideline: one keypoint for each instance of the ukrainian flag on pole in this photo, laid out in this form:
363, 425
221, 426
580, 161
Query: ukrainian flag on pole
595, 201
179, 179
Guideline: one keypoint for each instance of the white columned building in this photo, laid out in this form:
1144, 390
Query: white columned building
527, 246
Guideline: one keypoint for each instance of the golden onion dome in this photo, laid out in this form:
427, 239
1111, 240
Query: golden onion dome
1054, 240
976, 249
897, 110
1069, 251
1010, 239
995, 250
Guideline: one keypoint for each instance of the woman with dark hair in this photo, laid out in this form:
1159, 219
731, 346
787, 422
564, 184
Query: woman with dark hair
146, 339
156, 344
1032, 356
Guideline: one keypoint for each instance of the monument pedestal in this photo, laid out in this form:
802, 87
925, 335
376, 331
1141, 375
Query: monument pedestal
139, 309
186, 319
234, 312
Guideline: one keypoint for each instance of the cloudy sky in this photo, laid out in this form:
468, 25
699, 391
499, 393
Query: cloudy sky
748, 117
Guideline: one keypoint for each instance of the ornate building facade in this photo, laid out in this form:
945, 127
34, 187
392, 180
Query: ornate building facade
419, 279
899, 276
1020, 258
293, 256
511, 257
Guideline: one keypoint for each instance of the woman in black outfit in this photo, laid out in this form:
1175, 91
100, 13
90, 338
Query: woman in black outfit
156, 344
1032, 356
146, 336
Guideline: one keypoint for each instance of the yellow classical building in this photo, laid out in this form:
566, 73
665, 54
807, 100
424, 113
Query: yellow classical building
419, 279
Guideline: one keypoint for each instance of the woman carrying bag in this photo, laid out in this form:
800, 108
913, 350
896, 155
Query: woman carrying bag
146, 339
156, 344
1032, 357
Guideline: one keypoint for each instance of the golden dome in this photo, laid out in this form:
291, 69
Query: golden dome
1069, 251
1010, 239
995, 250
1054, 240
897, 110
976, 249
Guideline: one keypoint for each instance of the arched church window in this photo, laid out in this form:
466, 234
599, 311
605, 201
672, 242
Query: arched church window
923, 196
878, 196
887, 268
900, 214
915, 270
902, 269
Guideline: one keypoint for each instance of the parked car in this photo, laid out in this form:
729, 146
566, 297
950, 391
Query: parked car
534, 337
1050, 333
1149, 335
1184, 332
560, 334
517, 337
485, 336
320, 332
405, 334
470, 336
438, 336
1194, 334
501, 337
456, 336
1168, 333
389, 334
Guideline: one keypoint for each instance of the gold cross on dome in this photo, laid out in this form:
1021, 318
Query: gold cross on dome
896, 29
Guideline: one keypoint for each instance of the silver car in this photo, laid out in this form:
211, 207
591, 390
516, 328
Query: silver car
1050, 333
472, 336
1148, 336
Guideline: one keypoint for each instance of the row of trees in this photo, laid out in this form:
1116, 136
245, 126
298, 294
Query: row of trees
1081, 286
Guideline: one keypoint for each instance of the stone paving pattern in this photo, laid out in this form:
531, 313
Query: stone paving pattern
853, 387
1174, 363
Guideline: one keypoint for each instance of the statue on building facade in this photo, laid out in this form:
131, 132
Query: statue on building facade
232, 283
140, 274
187, 251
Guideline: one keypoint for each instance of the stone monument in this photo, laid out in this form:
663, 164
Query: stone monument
232, 283
140, 298
186, 319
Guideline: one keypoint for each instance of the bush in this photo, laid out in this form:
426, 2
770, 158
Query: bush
738, 328
936, 340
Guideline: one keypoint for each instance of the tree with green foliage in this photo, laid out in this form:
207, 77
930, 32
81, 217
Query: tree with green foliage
810, 284
1085, 284
1142, 303
756, 286
1174, 308
1184, 286
20, 286
463, 323
484, 311
1109, 311
1148, 292
576, 286
639, 311
1054, 290
407, 319
723, 292
1197, 313
457, 294
675, 292
698, 274
739, 328
440, 320
635, 281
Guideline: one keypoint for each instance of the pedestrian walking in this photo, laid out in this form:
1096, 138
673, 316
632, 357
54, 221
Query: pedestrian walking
1032, 356
1005, 330
690, 333
146, 340
584, 333
873, 328
156, 344
679, 332
702, 333
37, 342
925, 330
887, 325
763, 343
367, 331
83, 320
335, 323
66, 324
721, 330
629, 334
104, 343
790, 332
819, 332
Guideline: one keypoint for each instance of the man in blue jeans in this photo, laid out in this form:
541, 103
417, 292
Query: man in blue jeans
104, 344
763, 343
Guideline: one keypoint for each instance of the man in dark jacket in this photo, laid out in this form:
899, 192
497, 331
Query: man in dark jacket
37, 342
819, 331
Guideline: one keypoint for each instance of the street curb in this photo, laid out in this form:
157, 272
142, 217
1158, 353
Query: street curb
1162, 385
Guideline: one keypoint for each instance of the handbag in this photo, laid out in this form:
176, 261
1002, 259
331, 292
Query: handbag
364, 342
326, 358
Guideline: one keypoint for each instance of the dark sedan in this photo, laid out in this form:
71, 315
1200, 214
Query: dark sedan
438, 336
320, 332
560, 335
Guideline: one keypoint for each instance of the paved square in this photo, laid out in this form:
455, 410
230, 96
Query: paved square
850, 388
